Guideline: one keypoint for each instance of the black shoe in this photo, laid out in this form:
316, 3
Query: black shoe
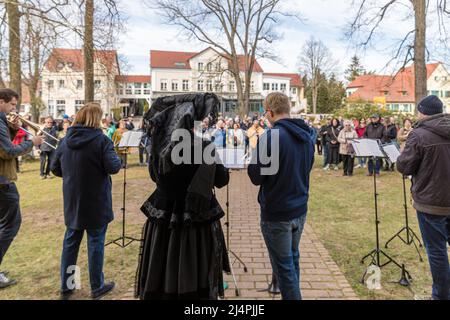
5, 282
66, 295
107, 288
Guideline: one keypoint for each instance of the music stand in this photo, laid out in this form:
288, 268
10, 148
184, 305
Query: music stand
130, 139
391, 150
371, 149
232, 159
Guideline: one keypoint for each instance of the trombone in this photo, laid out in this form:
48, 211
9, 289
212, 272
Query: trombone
12, 116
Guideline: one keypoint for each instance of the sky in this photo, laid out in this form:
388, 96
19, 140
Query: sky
323, 19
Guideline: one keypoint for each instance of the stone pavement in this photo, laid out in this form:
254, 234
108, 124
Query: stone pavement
320, 276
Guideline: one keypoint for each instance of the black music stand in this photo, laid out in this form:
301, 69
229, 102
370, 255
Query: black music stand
129, 140
371, 149
411, 237
235, 162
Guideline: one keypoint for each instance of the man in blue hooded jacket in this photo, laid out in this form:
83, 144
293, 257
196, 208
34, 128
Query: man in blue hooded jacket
284, 192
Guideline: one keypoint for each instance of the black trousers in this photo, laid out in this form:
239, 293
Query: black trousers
349, 163
319, 147
143, 150
334, 155
10, 217
46, 160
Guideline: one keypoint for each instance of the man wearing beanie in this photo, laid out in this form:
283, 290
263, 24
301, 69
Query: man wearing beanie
427, 159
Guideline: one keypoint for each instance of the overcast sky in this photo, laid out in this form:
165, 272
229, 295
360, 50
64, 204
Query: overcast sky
323, 19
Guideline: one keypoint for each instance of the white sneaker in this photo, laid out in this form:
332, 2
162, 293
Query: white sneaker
358, 166
327, 167
5, 282
336, 168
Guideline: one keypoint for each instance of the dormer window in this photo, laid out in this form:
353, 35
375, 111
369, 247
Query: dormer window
60, 65
385, 93
404, 93
200, 66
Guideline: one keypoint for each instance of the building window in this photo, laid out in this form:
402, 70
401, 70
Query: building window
185, 85
200, 86
200, 66
217, 86
137, 85
231, 86
147, 92
128, 91
62, 84
51, 84
404, 93
79, 84
294, 90
274, 86
209, 67
283, 87
163, 85
137, 91
97, 84
209, 86
435, 93
78, 105
252, 86
386, 93
60, 108
447, 94
51, 107
146, 85
174, 86
266, 86
218, 67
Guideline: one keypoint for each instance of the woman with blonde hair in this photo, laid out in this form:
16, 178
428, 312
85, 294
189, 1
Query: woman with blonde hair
345, 148
117, 136
85, 159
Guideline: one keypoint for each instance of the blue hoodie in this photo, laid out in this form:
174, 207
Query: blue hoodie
85, 159
284, 195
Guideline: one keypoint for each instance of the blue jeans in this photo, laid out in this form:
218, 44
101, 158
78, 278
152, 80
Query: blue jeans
377, 166
436, 234
283, 242
362, 161
96, 250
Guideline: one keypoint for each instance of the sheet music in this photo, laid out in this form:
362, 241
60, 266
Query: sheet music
131, 139
367, 148
232, 158
392, 152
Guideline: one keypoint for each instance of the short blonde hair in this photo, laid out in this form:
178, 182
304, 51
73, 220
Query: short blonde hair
278, 103
89, 116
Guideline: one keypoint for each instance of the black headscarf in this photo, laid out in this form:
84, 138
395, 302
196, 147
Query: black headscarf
168, 114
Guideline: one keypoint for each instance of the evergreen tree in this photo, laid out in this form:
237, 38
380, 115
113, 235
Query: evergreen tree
355, 69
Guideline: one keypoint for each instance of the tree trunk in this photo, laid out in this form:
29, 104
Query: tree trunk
15, 68
89, 52
420, 67
315, 93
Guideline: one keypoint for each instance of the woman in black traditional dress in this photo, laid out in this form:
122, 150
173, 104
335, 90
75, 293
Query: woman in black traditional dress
183, 254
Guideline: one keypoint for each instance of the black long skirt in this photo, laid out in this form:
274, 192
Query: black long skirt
181, 262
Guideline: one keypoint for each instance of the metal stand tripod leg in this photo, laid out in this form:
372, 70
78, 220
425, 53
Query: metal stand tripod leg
411, 236
124, 241
375, 254
229, 251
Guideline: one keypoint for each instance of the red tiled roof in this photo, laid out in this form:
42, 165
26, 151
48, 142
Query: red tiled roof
133, 78
75, 59
180, 60
296, 80
399, 88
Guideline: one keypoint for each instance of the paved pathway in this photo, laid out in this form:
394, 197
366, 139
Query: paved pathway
320, 276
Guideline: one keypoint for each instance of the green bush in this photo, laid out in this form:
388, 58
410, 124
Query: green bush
362, 110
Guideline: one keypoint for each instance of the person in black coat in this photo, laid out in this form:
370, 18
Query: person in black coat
333, 143
375, 130
48, 152
85, 160
389, 136
183, 253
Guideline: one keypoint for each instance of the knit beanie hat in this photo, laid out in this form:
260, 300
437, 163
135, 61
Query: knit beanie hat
430, 106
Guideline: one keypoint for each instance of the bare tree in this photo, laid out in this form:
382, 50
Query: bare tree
316, 63
240, 30
89, 51
15, 66
371, 14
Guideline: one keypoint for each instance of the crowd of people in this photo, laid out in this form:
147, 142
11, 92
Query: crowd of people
335, 136
183, 253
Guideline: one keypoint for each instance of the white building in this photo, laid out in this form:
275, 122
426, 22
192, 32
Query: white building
63, 81
206, 71
134, 94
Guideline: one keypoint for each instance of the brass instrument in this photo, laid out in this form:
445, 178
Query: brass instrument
13, 116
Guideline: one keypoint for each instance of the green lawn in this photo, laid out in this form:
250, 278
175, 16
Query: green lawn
341, 213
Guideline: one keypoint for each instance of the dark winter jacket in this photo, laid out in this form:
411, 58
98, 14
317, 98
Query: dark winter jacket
427, 158
54, 132
85, 160
390, 133
284, 195
332, 136
374, 131
323, 133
